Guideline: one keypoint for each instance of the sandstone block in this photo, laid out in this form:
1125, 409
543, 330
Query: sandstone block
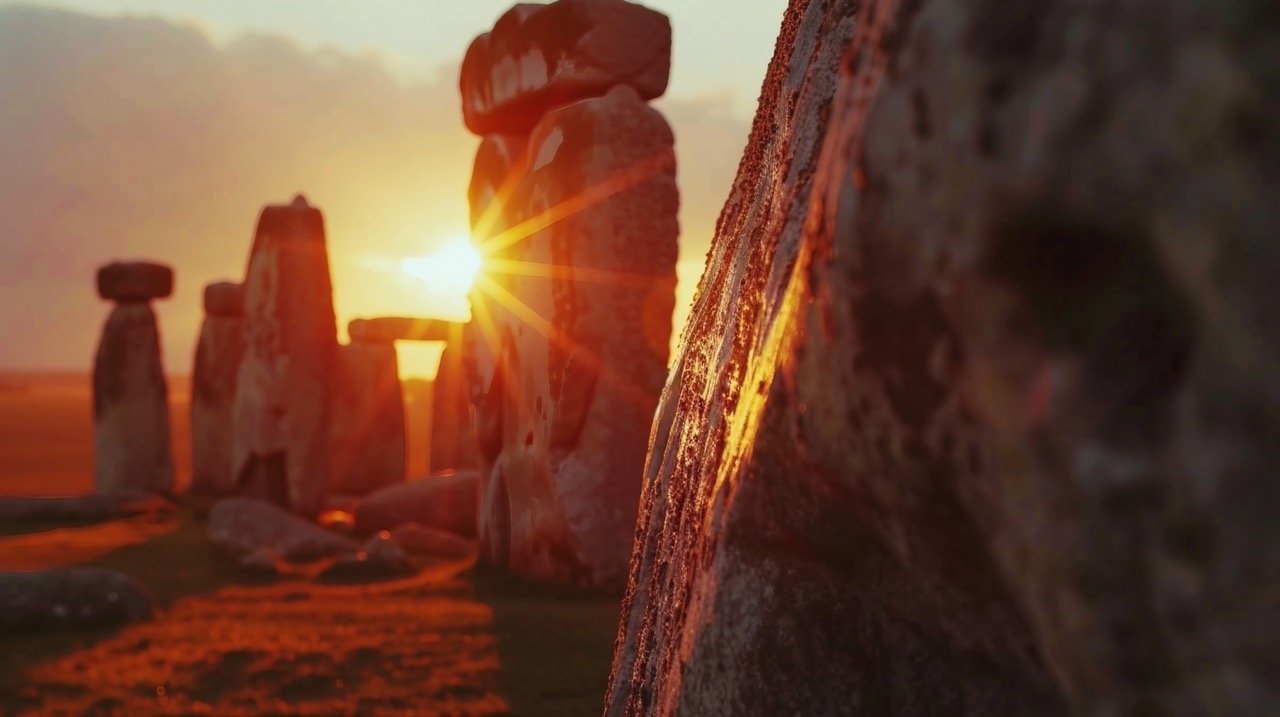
242, 526
446, 502
70, 597
368, 420
224, 298
538, 57
219, 354
385, 329
132, 453
135, 281
283, 406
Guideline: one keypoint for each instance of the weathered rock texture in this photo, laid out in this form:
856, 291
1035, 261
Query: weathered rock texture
281, 449
568, 348
976, 412
70, 597
539, 57
130, 398
368, 420
213, 389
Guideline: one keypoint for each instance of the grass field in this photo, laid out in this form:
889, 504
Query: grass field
453, 640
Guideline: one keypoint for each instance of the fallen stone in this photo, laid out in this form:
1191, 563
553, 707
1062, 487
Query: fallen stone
219, 354
224, 298
81, 507
70, 597
431, 541
368, 420
975, 411
386, 329
132, 453
135, 281
446, 502
380, 555
239, 526
538, 57
575, 434
283, 408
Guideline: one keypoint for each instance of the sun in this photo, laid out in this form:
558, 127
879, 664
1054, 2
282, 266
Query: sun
451, 269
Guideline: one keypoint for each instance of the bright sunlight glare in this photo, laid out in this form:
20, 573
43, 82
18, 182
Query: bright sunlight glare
450, 269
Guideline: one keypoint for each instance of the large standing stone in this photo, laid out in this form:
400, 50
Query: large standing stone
976, 415
539, 57
583, 351
281, 449
453, 446
368, 421
130, 398
213, 389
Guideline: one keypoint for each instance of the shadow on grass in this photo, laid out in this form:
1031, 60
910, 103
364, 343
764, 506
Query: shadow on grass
555, 643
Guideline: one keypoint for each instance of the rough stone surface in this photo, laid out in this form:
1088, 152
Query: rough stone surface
538, 57
134, 281
368, 420
131, 406
385, 329
219, 354
224, 298
284, 390
70, 597
976, 413
241, 526
81, 507
582, 353
445, 502
433, 541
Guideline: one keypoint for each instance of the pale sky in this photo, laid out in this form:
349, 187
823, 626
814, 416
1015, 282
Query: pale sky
158, 128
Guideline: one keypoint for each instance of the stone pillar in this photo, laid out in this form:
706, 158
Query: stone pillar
281, 449
575, 174
368, 422
213, 388
132, 453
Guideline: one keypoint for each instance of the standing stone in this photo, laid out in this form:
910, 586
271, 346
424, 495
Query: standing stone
539, 57
281, 449
976, 413
132, 453
453, 446
369, 420
213, 389
576, 173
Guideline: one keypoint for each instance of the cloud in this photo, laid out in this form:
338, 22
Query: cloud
141, 138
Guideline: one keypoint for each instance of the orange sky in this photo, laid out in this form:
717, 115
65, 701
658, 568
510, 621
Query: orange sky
144, 138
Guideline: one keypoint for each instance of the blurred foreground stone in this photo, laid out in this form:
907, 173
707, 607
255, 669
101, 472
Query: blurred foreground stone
368, 419
130, 397
977, 410
81, 507
70, 597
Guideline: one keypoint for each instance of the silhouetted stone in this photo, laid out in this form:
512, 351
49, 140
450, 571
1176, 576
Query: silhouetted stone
582, 381
538, 57
70, 597
368, 420
130, 405
969, 418
283, 393
453, 445
385, 329
240, 526
135, 281
224, 298
219, 354
446, 502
